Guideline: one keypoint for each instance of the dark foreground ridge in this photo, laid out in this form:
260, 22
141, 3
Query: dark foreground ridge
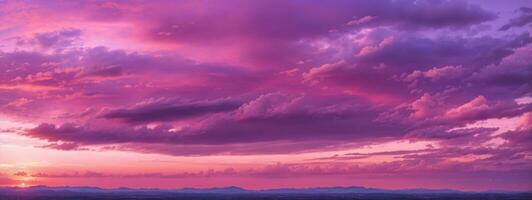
353, 192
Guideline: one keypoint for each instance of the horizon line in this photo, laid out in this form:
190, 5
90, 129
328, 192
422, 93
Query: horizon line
267, 189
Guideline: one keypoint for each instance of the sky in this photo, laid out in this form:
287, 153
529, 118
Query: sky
266, 94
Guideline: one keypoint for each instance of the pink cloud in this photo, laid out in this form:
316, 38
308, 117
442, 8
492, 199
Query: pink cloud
474, 107
273, 78
437, 73
425, 107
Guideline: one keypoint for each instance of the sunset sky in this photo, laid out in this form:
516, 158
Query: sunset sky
266, 94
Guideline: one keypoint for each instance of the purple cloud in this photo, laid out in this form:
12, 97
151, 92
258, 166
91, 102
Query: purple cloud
524, 19
164, 110
274, 77
56, 39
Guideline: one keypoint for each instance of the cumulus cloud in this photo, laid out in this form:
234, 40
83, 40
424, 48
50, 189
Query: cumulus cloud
473, 107
425, 106
436, 73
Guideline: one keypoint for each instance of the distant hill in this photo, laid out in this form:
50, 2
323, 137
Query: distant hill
231, 189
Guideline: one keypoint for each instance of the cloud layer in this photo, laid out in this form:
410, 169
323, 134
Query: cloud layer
273, 77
